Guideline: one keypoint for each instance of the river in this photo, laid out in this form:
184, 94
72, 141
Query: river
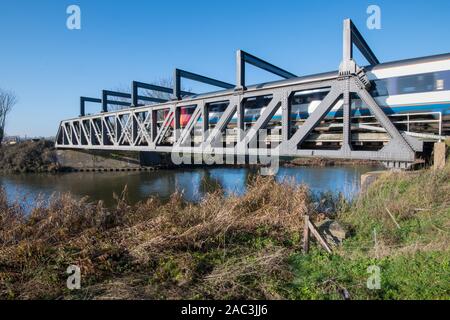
193, 183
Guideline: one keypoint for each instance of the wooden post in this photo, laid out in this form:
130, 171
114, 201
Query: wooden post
319, 238
306, 234
310, 227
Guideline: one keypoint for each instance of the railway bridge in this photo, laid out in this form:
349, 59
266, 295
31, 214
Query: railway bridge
223, 122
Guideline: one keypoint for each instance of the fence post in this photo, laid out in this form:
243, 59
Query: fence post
306, 234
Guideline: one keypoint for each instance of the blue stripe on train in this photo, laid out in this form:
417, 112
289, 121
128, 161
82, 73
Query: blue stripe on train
444, 108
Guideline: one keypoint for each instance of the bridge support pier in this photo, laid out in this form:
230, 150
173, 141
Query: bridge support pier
440, 155
108, 160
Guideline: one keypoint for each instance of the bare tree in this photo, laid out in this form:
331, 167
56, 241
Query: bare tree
7, 101
162, 82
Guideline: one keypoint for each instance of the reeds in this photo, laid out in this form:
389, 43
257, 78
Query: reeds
222, 247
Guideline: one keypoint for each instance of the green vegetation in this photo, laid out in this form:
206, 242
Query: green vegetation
235, 247
402, 225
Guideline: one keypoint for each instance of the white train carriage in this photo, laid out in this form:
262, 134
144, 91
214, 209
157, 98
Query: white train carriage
414, 93
411, 92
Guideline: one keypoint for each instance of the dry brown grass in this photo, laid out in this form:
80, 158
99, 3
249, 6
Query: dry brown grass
233, 247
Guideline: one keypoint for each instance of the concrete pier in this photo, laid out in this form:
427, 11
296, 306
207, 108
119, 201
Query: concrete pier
95, 160
369, 178
440, 154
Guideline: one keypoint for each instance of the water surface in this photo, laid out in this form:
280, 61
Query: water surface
193, 183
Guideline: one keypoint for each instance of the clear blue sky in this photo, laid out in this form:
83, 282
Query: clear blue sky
49, 66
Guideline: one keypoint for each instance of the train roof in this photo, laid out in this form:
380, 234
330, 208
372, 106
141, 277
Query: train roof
333, 74
399, 63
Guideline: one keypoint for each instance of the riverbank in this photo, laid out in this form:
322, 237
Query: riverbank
42, 157
233, 247
322, 162
29, 157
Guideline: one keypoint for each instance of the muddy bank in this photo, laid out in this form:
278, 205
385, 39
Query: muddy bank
321, 162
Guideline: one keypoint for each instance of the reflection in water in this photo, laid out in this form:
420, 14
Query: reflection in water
193, 183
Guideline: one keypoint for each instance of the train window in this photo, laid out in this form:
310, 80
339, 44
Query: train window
440, 84
411, 84
257, 102
357, 103
188, 110
443, 80
218, 107
406, 85
417, 83
308, 98
380, 88
320, 95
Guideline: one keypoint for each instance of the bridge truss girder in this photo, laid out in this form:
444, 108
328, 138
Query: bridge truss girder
137, 129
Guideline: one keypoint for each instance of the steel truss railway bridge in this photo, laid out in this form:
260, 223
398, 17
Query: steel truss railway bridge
153, 124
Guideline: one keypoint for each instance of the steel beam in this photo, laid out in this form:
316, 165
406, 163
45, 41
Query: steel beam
109, 93
213, 137
179, 74
347, 136
136, 85
315, 118
83, 101
262, 121
353, 36
243, 57
190, 125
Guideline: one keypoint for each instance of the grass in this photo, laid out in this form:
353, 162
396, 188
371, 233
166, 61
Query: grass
240, 247
401, 225
422, 275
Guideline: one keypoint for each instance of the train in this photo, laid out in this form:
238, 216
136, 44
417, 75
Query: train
417, 88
